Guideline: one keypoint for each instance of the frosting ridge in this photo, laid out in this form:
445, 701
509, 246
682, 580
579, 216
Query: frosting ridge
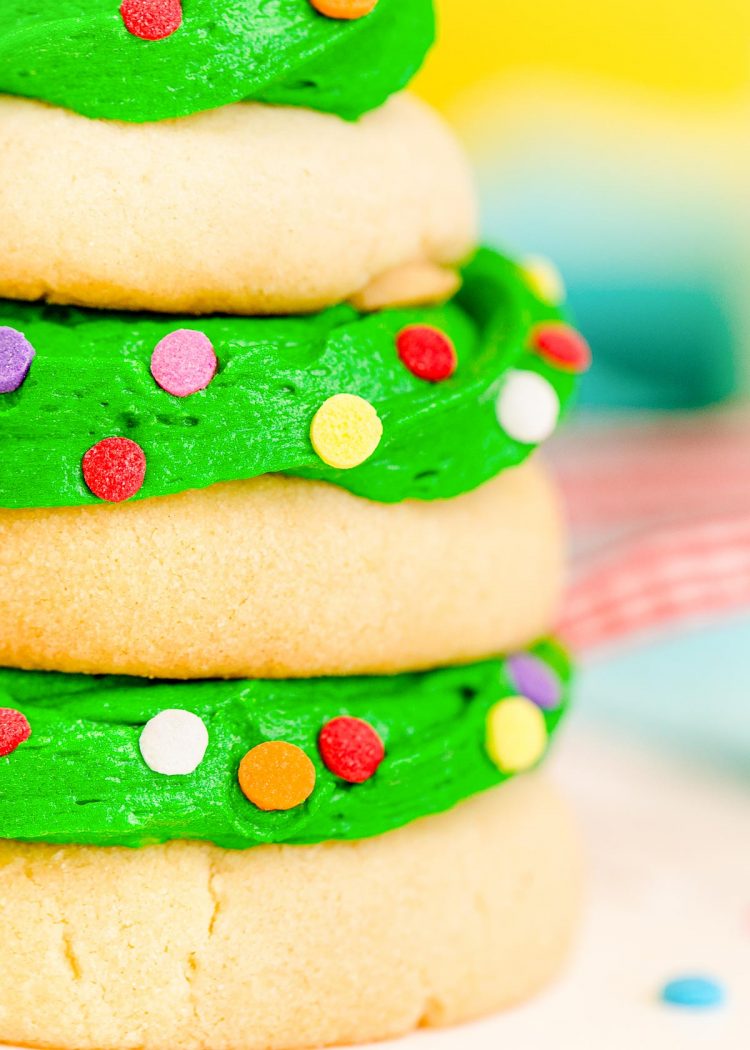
93, 385
81, 776
83, 57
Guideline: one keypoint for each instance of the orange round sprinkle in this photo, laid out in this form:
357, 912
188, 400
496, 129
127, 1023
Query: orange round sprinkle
276, 775
344, 8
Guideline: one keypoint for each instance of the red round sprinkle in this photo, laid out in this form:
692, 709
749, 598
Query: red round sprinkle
351, 749
114, 469
14, 729
562, 346
151, 19
427, 352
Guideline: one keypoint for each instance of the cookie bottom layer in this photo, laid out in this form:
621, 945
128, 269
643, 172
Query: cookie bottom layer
280, 578
186, 946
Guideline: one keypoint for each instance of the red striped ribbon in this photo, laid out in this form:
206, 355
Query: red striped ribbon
660, 516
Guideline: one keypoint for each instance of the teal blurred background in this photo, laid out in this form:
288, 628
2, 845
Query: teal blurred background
614, 139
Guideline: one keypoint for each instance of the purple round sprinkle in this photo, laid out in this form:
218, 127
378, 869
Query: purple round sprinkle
535, 680
16, 355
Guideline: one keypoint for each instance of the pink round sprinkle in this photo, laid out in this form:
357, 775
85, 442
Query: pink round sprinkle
184, 362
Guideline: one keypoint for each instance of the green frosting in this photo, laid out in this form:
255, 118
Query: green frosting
79, 54
80, 776
91, 380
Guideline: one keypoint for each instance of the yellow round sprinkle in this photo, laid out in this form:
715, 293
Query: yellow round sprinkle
544, 280
345, 431
516, 734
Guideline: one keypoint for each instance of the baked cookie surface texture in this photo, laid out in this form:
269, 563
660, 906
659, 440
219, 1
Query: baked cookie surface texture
280, 577
186, 946
279, 562
247, 209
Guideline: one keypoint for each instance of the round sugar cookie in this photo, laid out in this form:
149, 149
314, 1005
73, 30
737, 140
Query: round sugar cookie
249, 209
279, 577
449, 918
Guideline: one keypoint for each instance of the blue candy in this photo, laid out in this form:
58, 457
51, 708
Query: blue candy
694, 993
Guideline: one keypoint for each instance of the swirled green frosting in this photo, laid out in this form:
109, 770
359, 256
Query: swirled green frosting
91, 380
79, 54
80, 776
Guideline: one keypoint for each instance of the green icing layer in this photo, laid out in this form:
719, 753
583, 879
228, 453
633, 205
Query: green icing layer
78, 54
91, 379
81, 778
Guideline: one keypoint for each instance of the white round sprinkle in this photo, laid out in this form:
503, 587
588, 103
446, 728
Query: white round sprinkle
174, 742
527, 407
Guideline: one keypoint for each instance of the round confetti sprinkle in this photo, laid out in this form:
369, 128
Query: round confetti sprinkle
351, 749
14, 730
347, 9
174, 742
184, 362
16, 355
114, 469
527, 407
427, 352
544, 280
151, 19
516, 734
562, 346
345, 431
694, 993
276, 775
535, 679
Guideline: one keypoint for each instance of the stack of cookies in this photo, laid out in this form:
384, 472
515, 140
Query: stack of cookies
277, 563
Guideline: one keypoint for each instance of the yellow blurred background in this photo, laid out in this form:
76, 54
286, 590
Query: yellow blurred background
615, 137
695, 48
